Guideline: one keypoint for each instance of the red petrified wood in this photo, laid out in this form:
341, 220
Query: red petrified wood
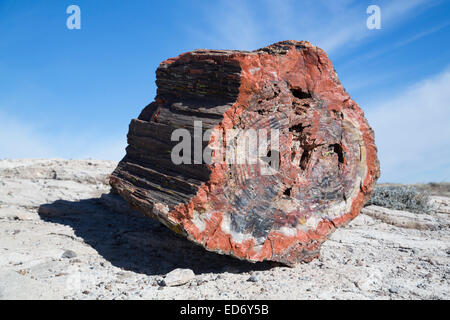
327, 156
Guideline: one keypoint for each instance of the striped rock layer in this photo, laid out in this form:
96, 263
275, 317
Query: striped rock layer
328, 162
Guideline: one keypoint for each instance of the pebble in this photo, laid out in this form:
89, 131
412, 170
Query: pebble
22, 272
393, 290
199, 282
253, 279
68, 254
178, 277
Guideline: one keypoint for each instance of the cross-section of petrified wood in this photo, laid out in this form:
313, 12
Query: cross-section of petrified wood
328, 162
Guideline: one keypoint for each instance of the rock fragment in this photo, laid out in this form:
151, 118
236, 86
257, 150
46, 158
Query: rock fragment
313, 176
69, 254
178, 277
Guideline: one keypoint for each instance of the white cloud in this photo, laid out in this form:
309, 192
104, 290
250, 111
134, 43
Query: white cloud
24, 140
332, 25
412, 132
20, 141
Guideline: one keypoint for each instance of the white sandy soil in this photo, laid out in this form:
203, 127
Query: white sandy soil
63, 236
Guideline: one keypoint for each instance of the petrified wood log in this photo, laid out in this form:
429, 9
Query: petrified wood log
327, 156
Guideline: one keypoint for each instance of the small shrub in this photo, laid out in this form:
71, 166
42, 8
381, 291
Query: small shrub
401, 198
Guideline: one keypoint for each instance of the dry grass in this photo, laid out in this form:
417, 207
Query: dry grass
401, 197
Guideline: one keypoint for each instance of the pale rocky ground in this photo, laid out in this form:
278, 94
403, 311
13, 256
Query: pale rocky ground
62, 236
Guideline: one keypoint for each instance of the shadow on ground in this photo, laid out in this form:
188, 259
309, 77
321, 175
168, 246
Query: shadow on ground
131, 241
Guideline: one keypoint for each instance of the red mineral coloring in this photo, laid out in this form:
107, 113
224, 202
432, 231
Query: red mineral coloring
327, 156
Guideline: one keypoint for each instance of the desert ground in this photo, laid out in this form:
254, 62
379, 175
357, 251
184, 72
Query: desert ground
64, 236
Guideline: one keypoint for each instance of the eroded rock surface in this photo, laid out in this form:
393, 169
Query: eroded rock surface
327, 156
122, 254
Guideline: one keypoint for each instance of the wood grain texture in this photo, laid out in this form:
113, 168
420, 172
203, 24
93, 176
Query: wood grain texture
327, 155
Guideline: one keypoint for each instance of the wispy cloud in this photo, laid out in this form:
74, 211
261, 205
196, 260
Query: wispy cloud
420, 35
413, 132
25, 140
332, 25
392, 47
20, 141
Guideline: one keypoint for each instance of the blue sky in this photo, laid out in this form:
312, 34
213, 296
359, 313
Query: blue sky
72, 93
